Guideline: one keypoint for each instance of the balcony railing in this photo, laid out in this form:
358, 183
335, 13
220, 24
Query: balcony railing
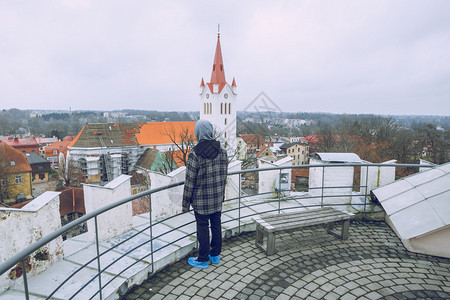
272, 201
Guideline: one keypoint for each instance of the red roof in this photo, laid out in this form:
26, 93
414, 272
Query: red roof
253, 139
202, 84
234, 82
17, 161
218, 72
25, 142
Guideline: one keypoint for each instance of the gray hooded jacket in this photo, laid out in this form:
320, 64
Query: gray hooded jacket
206, 172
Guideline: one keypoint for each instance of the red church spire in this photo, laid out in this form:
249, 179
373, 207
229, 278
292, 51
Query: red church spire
218, 72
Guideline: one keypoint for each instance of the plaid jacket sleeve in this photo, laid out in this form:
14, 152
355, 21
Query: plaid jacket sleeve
189, 183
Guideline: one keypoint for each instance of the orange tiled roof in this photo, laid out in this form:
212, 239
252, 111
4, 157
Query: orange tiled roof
253, 139
120, 134
20, 160
156, 133
60, 146
15, 142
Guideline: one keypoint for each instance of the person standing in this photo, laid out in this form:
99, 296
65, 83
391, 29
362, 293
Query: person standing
204, 190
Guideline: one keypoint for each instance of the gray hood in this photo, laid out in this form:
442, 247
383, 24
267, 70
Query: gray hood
203, 130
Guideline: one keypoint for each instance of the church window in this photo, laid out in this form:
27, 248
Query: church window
225, 110
221, 108
210, 108
204, 108
229, 108
221, 67
225, 134
225, 121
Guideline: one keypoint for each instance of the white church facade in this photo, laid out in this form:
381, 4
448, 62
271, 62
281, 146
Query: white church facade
218, 103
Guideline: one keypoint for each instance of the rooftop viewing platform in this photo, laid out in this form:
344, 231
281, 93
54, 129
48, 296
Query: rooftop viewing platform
145, 256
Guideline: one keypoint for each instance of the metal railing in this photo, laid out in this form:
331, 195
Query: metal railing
20, 258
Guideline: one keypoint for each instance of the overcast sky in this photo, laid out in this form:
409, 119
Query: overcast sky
381, 57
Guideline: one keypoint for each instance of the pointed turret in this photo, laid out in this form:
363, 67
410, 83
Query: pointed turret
233, 86
202, 84
218, 72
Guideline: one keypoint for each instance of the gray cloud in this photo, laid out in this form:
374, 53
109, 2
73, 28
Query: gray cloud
378, 57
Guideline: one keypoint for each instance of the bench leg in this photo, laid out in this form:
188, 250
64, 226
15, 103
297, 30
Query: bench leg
345, 227
259, 236
271, 243
330, 227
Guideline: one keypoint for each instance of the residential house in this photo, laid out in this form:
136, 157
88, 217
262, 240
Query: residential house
40, 167
15, 173
107, 150
299, 151
24, 145
266, 154
53, 151
44, 142
254, 142
241, 149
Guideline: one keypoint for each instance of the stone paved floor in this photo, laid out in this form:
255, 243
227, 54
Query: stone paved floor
309, 264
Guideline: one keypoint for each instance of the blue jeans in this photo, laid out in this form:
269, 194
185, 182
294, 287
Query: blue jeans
205, 247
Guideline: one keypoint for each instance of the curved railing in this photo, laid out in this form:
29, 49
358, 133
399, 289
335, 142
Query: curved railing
242, 201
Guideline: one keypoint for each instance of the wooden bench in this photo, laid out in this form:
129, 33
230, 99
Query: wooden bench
271, 224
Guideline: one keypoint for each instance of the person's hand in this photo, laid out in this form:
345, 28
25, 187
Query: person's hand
186, 209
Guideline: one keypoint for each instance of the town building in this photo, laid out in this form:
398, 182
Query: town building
15, 175
218, 103
299, 151
24, 145
44, 142
40, 167
53, 151
104, 151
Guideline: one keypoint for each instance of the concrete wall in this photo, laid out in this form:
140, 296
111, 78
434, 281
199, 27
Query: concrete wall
377, 176
232, 188
267, 179
168, 202
115, 221
332, 177
19, 228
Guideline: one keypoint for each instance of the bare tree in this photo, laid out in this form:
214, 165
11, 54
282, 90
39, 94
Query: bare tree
183, 141
69, 172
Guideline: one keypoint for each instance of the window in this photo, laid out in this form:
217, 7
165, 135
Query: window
18, 179
13, 163
229, 108
221, 108
225, 134
204, 108
4, 181
225, 121
41, 176
225, 109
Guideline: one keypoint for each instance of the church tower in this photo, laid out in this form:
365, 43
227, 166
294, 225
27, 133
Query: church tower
218, 103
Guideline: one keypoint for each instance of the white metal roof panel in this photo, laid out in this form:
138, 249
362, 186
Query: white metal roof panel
402, 201
423, 177
416, 220
441, 204
437, 186
419, 203
398, 187
339, 157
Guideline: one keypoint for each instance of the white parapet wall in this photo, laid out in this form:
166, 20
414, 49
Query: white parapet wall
376, 176
268, 180
167, 202
232, 188
19, 228
331, 177
115, 221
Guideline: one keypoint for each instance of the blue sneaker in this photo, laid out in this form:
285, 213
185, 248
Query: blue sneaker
214, 259
198, 264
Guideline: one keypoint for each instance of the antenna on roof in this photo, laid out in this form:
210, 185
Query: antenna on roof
218, 30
